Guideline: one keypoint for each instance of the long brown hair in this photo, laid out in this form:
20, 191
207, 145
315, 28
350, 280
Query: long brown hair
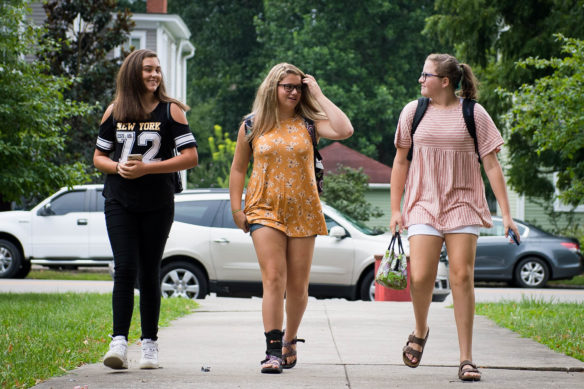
129, 103
459, 74
265, 106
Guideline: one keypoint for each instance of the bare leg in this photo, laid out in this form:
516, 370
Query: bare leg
299, 260
270, 246
461, 255
424, 256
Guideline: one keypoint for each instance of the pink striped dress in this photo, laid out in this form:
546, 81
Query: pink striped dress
444, 187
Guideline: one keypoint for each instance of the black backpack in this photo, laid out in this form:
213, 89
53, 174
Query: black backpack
467, 112
318, 166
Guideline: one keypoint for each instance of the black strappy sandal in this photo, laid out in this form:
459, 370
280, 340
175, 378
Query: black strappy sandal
462, 373
291, 353
414, 353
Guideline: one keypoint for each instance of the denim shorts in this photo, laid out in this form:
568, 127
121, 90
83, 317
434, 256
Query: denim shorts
426, 229
255, 226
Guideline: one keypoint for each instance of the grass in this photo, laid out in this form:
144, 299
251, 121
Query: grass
45, 335
560, 326
575, 281
85, 275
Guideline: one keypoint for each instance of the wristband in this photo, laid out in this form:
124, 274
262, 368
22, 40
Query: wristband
234, 212
117, 165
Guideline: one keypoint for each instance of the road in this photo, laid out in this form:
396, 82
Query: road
482, 294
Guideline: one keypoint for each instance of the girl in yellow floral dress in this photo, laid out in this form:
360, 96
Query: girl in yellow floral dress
282, 208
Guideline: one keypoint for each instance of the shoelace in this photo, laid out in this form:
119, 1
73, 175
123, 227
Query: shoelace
149, 350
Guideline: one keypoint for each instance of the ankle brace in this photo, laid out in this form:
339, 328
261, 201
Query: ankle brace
274, 343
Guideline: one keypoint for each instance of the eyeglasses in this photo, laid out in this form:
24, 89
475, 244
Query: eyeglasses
424, 75
290, 87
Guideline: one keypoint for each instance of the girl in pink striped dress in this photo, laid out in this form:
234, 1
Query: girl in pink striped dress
445, 197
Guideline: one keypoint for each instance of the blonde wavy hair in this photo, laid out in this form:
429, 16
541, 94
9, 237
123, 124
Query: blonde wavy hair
265, 106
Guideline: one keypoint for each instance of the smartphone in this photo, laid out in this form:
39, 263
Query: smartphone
135, 157
514, 237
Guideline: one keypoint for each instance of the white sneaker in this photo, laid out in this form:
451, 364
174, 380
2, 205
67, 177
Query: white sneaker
149, 358
116, 357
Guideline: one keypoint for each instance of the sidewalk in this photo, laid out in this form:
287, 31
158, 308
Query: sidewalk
348, 345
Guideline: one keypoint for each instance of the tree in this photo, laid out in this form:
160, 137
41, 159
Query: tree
86, 32
345, 191
547, 115
223, 72
494, 35
32, 110
214, 173
366, 56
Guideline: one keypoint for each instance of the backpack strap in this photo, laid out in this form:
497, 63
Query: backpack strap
311, 130
420, 111
248, 122
468, 114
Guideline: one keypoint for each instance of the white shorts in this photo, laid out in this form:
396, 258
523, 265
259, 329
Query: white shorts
426, 229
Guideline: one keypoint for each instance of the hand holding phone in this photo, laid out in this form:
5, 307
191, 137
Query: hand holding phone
134, 157
513, 236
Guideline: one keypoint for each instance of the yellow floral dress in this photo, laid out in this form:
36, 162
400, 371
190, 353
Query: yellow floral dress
281, 192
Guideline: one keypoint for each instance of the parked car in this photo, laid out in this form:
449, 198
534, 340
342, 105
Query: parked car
205, 251
539, 258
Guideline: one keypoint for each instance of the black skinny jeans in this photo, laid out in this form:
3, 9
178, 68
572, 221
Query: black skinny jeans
137, 240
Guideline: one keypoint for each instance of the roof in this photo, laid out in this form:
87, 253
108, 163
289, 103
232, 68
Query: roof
337, 153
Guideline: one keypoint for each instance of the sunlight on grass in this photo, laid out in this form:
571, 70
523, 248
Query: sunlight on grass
560, 326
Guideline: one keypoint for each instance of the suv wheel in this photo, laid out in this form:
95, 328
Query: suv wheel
24, 270
531, 272
10, 259
368, 287
183, 279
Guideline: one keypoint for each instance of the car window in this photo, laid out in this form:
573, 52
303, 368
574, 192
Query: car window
68, 202
330, 223
200, 213
498, 230
100, 200
226, 220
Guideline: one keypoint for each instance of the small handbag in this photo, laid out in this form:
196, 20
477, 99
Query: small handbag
393, 269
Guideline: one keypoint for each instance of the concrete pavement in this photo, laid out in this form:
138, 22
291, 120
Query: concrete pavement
348, 345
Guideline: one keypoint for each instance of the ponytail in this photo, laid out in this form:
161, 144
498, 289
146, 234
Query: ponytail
461, 77
468, 83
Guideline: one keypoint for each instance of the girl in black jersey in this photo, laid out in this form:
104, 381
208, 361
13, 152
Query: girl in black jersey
138, 136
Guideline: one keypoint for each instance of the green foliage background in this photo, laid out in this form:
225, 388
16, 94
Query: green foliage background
32, 110
345, 191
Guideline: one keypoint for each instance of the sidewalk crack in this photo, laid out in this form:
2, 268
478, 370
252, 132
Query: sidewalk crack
336, 346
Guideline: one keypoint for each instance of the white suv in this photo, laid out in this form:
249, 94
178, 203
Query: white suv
205, 251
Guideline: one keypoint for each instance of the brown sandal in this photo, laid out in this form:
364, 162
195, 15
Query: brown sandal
414, 353
462, 373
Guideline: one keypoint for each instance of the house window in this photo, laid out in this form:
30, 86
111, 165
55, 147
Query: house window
137, 40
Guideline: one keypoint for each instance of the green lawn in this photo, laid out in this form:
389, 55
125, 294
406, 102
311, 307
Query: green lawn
560, 326
44, 335
101, 274
575, 281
